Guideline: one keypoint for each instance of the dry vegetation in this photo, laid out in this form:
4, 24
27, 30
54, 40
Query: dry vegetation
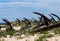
44, 27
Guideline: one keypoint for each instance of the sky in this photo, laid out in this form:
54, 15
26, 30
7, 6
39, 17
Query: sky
12, 9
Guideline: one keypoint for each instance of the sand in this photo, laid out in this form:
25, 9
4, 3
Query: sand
29, 38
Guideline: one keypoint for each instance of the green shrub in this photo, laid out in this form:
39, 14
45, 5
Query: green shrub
39, 39
56, 30
10, 32
44, 32
2, 33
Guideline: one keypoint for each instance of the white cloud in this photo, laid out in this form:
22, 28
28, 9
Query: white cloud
38, 3
13, 3
49, 4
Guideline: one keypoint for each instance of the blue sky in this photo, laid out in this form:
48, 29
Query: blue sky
12, 9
